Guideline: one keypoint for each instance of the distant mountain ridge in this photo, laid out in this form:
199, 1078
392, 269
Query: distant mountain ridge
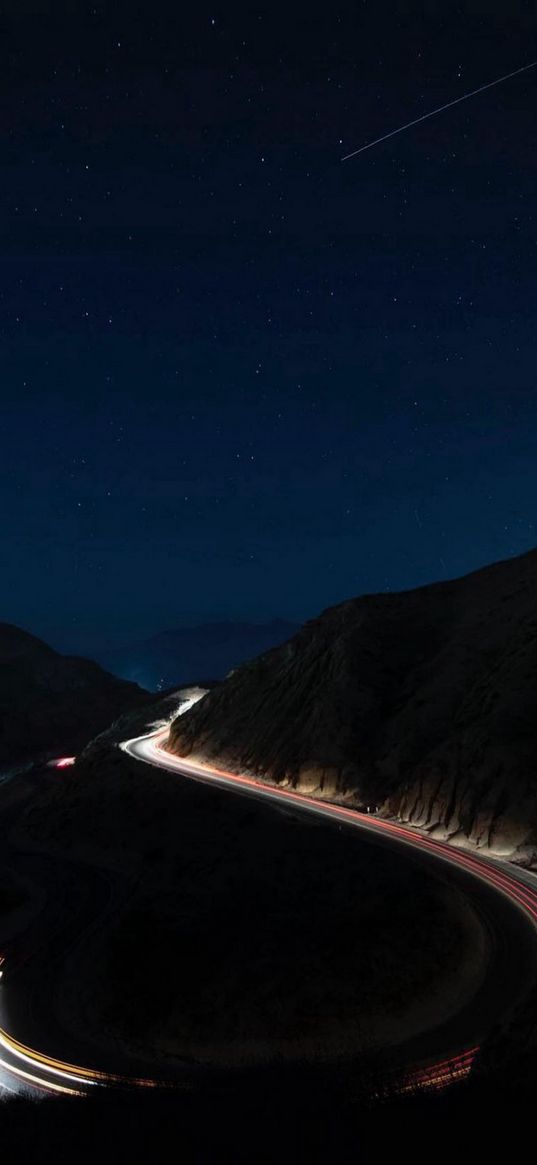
187, 654
52, 703
423, 703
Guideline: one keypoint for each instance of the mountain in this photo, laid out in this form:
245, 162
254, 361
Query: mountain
422, 704
194, 653
53, 703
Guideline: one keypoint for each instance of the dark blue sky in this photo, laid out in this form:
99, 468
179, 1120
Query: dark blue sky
239, 377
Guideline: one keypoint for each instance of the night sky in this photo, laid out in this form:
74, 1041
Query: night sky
241, 378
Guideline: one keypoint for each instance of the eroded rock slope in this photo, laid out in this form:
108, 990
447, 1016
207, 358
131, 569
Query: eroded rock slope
423, 703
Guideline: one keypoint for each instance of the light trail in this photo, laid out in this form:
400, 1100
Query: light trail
440, 109
435, 1077
37, 1082
515, 887
60, 1070
51, 1075
519, 888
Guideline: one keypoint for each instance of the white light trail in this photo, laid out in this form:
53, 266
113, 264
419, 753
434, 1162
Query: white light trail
519, 886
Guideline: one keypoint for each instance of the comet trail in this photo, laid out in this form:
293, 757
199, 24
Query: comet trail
433, 112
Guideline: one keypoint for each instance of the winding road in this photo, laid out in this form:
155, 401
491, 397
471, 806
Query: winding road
505, 895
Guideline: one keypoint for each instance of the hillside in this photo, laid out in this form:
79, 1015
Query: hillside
272, 939
52, 703
423, 703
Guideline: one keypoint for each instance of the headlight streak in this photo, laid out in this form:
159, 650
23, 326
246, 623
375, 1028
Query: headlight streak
434, 1076
72, 1072
56, 1067
89, 1077
37, 1081
150, 749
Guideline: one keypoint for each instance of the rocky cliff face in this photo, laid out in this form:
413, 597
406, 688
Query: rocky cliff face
52, 703
423, 704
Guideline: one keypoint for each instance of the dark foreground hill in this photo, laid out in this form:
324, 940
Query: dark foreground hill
188, 653
52, 703
241, 935
423, 703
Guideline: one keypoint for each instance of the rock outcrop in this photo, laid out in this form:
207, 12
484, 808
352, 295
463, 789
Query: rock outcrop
423, 704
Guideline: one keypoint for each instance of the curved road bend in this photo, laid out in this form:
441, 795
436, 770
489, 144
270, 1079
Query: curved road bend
505, 896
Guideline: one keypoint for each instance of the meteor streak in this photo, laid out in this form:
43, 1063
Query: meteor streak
433, 112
